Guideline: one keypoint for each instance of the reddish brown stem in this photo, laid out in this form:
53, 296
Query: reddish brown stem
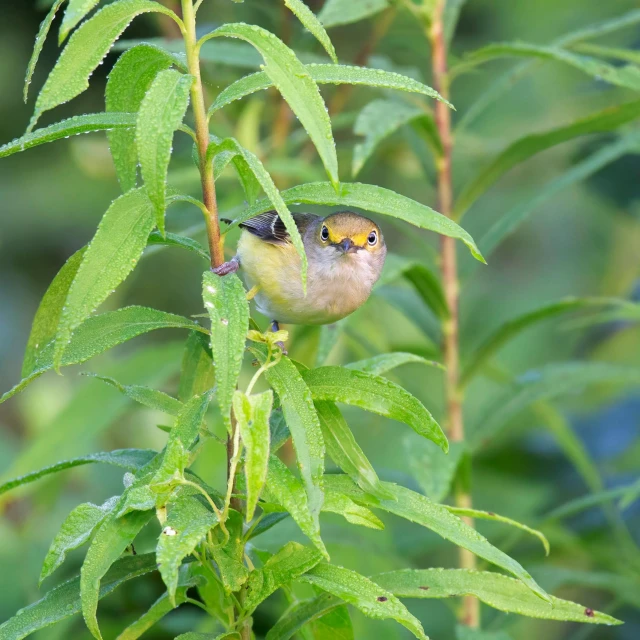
470, 614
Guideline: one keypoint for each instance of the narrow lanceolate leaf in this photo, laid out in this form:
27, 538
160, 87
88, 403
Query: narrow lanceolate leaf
428, 286
313, 25
375, 394
45, 323
335, 12
158, 610
43, 32
75, 12
127, 85
302, 613
550, 382
433, 470
226, 302
295, 84
370, 198
498, 591
627, 76
161, 113
197, 372
526, 147
77, 528
252, 414
302, 420
101, 333
488, 515
354, 513
110, 541
292, 561
230, 557
345, 451
175, 240
364, 594
86, 49
255, 166
334, 625
381, 364
151, 398
110, 257
419, 509
328, 74
376, 122
514, 327
189, 420
188, 521
71, 127
129, 459
286, 490
64, 601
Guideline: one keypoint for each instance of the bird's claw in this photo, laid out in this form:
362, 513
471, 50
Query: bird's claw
227, 267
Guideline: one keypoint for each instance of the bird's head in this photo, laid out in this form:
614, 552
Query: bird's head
349, 234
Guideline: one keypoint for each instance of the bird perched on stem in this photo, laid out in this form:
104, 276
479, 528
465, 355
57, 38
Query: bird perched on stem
345, 252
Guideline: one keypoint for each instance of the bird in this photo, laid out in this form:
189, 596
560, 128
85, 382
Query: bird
345, 253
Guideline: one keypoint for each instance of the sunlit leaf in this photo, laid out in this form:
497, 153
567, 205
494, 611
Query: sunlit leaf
336, 12
74, 14
494, 589
384, 362
355, 514
313, 25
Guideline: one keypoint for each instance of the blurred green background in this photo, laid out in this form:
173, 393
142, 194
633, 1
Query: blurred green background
585, 240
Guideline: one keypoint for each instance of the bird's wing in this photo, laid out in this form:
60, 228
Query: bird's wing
270, 228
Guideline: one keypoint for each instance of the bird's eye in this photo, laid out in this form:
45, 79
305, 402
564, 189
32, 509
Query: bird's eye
324, 234
372, 239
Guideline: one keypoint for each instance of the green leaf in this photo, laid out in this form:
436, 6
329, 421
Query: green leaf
627, 76
129, 459
45, 323
193, 635
375, 394
363, 594
295, 84
110, 257
158, 610
384, 362
302, 613
101, 333
336, 12
526, 147
508, 223
429, 288
273, 194
285, 489
252, 414
494, 589
345, 451
292, 561
431, 469
489, 515
226, 302
467, 633
514, 327
628, 55
74, 14
328, 74
376, 122
76, 529
188, 521
197, 373
546, 383
419, 509
452, 10
304, 425
335, 625
151, 398
582, 503
70, 127
313, 25
128, 83
64, 601
175, 240
161, 113
86, 49
43, 32
352, 512
370, 198
230, 558
110, 541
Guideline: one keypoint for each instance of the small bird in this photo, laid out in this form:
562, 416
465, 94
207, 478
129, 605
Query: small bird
345, 252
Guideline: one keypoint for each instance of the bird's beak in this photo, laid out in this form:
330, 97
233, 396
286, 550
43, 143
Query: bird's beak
346, 246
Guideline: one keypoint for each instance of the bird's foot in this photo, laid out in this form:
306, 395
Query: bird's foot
227, 267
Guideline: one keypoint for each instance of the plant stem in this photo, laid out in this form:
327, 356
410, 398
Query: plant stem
202, 134
470, 614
